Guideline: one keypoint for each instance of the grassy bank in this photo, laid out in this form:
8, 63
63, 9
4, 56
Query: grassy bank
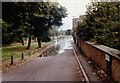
17, 50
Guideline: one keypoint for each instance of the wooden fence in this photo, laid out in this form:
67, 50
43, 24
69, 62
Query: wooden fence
44, 53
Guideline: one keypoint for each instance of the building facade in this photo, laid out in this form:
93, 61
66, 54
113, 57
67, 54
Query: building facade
74, 22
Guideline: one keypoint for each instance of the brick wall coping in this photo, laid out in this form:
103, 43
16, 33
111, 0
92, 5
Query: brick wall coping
106, 49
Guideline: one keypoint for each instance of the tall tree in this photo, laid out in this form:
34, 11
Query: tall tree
101, 24
32, 19
51, 14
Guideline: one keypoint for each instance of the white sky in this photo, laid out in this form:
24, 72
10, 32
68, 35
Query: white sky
74, 9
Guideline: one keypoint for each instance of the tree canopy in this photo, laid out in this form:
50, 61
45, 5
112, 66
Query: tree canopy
27, 19
101, 24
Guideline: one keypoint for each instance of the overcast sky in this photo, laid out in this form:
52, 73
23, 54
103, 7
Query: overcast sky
74, 9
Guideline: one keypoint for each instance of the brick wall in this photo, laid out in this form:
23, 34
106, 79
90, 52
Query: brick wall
116, 69
98, 56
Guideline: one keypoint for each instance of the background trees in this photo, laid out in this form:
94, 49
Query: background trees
21, 20
101, 24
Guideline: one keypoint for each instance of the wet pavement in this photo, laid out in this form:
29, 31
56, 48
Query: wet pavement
60, 65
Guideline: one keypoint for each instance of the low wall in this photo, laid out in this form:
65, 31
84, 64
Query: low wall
106, 58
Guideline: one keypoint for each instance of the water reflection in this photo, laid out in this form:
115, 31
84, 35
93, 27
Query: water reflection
63, 43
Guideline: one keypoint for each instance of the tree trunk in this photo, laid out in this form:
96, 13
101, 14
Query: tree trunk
22, 41
39, 42
29, 42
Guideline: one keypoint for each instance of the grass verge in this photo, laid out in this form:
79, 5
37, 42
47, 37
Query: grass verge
16, 51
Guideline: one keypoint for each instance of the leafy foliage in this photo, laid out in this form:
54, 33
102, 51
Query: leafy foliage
101, 24
30, 19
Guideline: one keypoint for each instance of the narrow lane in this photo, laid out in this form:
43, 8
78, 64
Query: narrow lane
62, 67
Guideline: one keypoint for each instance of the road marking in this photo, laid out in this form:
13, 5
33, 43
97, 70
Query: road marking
81, 67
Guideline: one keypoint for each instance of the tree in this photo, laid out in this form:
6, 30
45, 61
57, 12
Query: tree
54, 31
101, 24
16, 19
32, 19
49, 17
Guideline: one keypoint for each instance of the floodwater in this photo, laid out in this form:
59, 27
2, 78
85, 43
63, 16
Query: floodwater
62, 67
61, 44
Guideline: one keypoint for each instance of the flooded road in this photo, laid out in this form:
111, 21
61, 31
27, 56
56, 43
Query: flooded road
61, 67
60, 45
63, 43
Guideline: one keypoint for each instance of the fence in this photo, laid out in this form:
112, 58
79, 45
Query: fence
44, 53
106, 58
